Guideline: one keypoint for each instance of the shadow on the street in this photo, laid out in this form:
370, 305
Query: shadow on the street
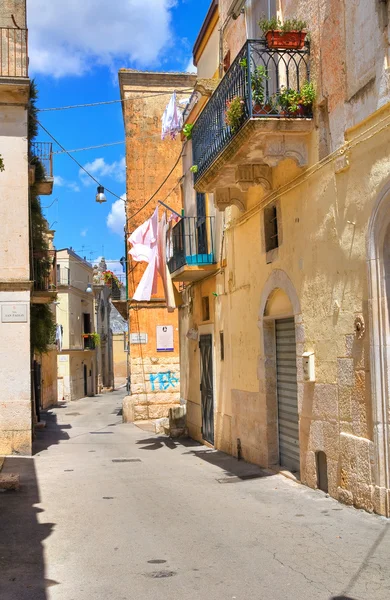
163, 441
50, 435
22, 568
232, 468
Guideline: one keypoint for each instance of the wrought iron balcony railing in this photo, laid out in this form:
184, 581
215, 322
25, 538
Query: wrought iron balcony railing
42, 152
263, 83
44, 270
13, 52
88, 341
191, 242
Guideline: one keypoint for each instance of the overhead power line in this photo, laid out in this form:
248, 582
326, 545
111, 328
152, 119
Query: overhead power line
107, 189
105, 102
76, 161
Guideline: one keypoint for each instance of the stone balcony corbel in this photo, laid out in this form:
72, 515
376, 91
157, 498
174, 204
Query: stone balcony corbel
248, 175
229, 196
259, 146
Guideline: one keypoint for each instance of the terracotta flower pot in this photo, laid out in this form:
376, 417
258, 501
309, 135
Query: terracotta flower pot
292, 40
261, 109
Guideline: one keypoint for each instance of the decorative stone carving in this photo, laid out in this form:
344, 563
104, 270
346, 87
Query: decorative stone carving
341, 162
225, 197
206, 86
277, 148
360, 326
250, 175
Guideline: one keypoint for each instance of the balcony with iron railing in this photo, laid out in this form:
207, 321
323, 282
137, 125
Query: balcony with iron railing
14, 81
260, 114
13, 53
44, 276
41, 161
89, 341
191, 249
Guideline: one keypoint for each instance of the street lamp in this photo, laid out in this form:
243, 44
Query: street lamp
89, 289
100, 195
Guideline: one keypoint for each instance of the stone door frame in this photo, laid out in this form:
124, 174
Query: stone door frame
278, 280
379, 323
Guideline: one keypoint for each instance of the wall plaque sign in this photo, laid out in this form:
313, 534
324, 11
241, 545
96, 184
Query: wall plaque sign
14, 313
138, 338
164, 338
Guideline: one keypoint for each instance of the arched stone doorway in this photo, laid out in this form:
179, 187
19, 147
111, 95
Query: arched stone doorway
379, 318
281, 331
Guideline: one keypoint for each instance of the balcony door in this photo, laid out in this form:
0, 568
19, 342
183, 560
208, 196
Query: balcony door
254, 11
201, 229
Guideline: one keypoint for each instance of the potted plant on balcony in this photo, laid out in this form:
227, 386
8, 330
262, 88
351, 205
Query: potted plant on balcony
234, 113
289, 102
261, 104
288, 35
111, 279
307, 97
95, 337
187, 130
295, 103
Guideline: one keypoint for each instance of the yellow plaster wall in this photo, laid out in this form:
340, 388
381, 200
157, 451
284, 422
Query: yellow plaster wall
323, 252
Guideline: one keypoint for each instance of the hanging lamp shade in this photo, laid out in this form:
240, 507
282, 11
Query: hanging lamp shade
100, 195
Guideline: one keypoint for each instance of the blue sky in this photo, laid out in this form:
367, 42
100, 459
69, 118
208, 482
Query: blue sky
75, 53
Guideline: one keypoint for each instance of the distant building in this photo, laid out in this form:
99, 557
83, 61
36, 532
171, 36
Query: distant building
153, 364
77, 361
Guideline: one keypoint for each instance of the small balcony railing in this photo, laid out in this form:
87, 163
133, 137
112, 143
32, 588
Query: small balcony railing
258, 77
88, 341
44, 270
42, 152
13, 52
192, 243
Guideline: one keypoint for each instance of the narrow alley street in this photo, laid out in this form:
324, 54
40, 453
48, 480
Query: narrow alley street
107, 511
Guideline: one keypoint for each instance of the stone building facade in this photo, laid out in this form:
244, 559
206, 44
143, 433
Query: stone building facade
15, 286
76, 359
154, 370
287, 328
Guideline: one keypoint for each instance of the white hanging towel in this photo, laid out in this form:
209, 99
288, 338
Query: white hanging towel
172, 119
144, 242
149, 245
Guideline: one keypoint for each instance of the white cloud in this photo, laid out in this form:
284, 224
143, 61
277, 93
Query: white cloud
84, 232
61, 182
116, 218
68, 38
190, 68
100, 169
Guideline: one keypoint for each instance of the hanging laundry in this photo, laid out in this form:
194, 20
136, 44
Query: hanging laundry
149, 245
172, 119
144, 242
59, 331
162, 265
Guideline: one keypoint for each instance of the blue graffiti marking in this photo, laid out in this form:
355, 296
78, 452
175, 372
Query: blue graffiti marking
164, 381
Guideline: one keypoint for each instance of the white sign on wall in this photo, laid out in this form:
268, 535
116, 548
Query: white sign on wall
138, 338
164, 338
14, 313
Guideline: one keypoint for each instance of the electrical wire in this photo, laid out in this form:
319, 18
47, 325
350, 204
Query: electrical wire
89, 147
121, 100
159, 187
306, 175
77, 162
107, 189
